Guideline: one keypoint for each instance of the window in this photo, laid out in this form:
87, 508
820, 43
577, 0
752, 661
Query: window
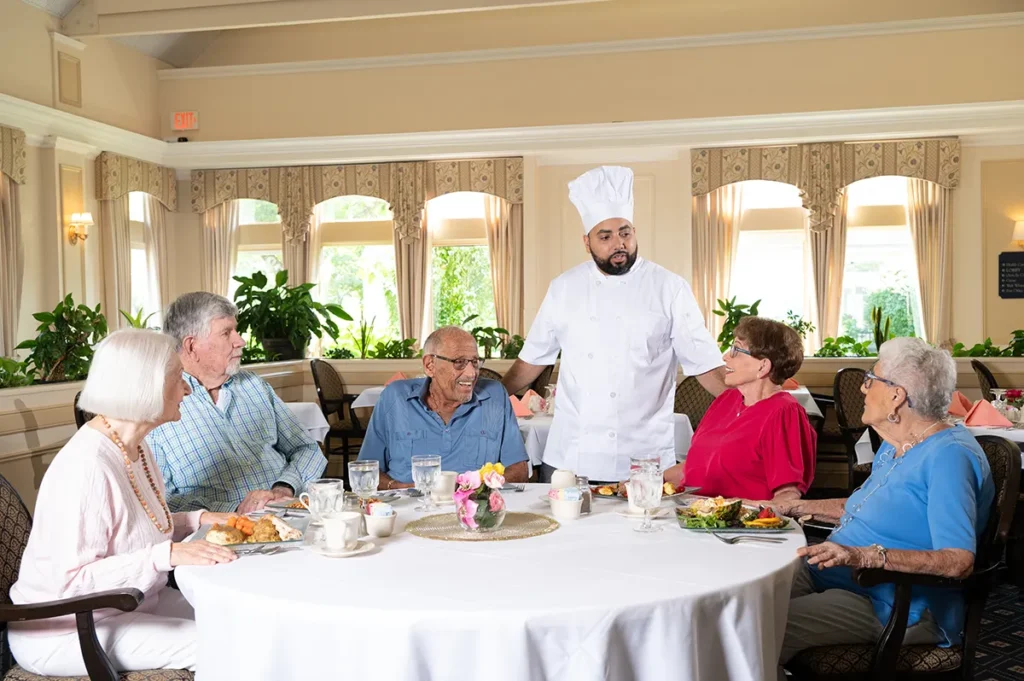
249, 262
353, 208
461, 264
253, 212
361, 278
136, 210
144, 290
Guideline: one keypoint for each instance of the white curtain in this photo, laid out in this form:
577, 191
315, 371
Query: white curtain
158, 255
928, 219
219, 247
828, 258
12, 264
412, 270
302, 258
504, 223
115, 226
716, 233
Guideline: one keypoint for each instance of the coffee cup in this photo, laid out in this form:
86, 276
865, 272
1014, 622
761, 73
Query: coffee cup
341, 530
445, 487
380, 526
562, 478
322, 496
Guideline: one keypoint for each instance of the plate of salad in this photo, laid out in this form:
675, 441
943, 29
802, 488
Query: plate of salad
718, 514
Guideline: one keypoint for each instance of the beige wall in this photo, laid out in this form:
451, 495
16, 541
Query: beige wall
1002, 192
853, 73
119, 85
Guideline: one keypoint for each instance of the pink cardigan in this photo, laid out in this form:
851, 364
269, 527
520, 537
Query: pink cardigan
90, 533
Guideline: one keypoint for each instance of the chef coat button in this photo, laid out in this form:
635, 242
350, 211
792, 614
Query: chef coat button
613, 394
590, 356
611, 434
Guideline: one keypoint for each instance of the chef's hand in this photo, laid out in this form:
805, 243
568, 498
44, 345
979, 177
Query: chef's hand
200, 553
674, 474
256, 500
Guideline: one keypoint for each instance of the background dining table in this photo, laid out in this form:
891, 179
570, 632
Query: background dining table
591, 600
311, 418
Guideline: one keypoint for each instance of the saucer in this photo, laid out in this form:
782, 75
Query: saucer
363, 546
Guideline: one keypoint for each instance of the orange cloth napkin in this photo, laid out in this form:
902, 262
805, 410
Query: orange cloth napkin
984, 414
528, 394
518, 408
790, 384
397, 377
960, 405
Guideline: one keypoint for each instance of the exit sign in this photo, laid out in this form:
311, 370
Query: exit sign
185, 120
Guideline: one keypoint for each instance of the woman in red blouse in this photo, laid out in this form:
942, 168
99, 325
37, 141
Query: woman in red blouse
755, 441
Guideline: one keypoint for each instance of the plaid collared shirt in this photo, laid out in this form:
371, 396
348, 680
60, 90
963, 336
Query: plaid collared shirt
218, 453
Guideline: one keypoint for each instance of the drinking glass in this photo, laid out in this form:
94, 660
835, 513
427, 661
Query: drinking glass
998, 402
426, 469
321, 496
645, 480
364, 476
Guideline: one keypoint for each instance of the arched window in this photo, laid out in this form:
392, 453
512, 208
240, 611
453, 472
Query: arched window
259, 241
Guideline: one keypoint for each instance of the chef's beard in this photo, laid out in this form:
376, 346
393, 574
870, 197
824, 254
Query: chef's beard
607, 267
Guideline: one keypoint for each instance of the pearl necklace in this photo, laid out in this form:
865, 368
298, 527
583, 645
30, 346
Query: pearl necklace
149, 476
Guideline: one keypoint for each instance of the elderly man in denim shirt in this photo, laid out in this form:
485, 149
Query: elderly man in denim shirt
468, 421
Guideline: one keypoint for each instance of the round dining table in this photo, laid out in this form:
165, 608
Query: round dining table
593, 599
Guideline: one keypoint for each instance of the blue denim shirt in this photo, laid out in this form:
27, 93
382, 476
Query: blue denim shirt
482, 430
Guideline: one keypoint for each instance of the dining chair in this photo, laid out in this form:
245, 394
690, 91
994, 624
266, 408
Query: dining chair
15, 525
888, 658
540, 383
985, 379
849, 406
693, 400
334, 401
489, 373
81, 417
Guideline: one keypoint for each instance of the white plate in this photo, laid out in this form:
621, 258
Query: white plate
659, 513
364, 546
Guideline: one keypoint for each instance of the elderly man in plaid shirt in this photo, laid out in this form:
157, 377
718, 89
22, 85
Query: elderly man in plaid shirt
237, 446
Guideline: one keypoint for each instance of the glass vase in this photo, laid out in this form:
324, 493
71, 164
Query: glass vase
485, 515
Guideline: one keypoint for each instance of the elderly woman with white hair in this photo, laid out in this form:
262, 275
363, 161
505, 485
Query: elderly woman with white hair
928, 499
102, 521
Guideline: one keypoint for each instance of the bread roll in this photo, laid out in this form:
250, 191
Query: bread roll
224, 535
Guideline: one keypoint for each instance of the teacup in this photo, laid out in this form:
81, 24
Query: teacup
380, 525
563, 509
562, 478
341, 530
445, 487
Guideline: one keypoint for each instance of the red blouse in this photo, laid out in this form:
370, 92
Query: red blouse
749, 452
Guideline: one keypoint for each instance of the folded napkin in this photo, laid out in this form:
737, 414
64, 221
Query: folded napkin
984, 414
790, 384
518, 408
528, 394
397, 377
960, 405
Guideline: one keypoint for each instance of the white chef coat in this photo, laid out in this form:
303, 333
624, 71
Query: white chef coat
621, 338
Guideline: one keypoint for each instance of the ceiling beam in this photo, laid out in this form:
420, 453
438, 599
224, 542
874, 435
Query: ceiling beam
103, 18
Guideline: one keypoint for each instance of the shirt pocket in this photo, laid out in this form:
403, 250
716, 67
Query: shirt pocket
400, 456
488, 447
649, 335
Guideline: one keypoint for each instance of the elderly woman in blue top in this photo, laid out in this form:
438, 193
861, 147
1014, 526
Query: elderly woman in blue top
467, 420
237, 446
928, 499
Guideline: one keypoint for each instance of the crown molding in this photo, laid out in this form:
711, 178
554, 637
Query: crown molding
980, 21
994, 139
90, 151
46, 126
650, 140
61, 40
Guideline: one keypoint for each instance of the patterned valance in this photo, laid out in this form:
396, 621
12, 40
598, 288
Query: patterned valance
13, 158
820, 170
118, 175
405, 186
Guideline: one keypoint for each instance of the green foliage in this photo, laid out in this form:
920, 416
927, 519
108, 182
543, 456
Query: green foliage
798, 324
895, 303
265, 211
733, 313
394, 349
512, 347
137, 322
882, 330
354, 276
63, 348
462, 284
253, 353
281, 311
363, 339
359, 208
338, 352
844, 346
1016, 346
487, 337
986, 349
12, 373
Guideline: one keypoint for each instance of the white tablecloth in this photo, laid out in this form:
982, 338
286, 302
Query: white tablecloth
592, 600
369, 397
803, 396
536, 429
865, 455
311, 418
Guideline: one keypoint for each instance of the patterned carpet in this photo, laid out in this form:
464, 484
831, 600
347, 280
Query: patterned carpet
1001, 646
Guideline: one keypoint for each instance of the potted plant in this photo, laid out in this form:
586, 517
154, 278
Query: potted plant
394, 349
487, 337
12, 373
511, 348
733, 313
138, 321
63, 348
283, 318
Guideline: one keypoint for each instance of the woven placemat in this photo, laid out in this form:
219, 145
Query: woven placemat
446, 527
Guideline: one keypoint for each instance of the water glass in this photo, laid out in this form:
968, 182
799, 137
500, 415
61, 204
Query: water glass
645, 480
426, 469
322, 496
364, 476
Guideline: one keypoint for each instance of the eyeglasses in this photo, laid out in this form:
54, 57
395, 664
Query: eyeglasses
460, 364
737, 350
870, 378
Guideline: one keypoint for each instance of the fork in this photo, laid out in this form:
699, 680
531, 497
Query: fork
513, 486
746, 537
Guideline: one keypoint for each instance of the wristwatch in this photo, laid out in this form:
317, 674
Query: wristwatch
883, 552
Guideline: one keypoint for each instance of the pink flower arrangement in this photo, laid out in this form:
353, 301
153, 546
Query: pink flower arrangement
479, 505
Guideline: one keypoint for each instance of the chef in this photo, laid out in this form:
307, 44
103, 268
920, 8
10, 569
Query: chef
622, 324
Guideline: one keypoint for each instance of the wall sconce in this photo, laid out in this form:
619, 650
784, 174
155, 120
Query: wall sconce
78, 227
1018, 234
